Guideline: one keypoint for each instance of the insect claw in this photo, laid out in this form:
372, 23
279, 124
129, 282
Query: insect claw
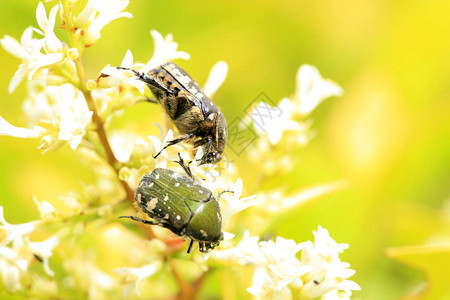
227, 191
190, 246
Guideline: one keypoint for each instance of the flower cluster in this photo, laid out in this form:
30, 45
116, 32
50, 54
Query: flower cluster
100, 256
279, 274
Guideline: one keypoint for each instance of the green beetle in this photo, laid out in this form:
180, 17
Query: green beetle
181, 204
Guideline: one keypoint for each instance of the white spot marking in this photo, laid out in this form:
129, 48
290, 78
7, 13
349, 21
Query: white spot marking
152, 204
178, 217
166, 216
203, 232
151, 184
200, 191
157, 176
177, 184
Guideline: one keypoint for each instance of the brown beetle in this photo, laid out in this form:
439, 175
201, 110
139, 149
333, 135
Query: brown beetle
196, 117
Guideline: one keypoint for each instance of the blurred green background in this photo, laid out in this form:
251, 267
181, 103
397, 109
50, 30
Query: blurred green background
389, 133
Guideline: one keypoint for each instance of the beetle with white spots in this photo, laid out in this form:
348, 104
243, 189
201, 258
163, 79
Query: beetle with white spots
188, 210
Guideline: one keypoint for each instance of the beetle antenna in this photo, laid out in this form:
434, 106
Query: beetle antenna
129, 69
190, 246
143, 77
220, 194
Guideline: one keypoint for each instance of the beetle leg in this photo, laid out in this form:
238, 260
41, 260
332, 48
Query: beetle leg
175, 141
141, 220
184, 166
201, 142
147, 99
190, 246
220, 194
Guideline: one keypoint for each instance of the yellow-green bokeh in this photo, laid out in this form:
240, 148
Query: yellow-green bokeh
389, 133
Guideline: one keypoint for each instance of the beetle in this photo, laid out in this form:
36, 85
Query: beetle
181, 204
196, 117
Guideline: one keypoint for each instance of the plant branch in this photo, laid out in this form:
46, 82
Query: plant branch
100, 128
187, 291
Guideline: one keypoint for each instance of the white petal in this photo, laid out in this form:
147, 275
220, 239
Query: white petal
15, 81
13, 47
41, 16
313, 89
127, 60
10, 130
46, 60
216, 78
228, 236
164, 50
156, 143
275, 135
314, 192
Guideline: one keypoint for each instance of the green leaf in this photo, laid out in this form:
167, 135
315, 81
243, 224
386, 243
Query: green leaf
433, 261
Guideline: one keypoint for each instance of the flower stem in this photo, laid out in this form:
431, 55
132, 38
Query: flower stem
111, 159
187, 291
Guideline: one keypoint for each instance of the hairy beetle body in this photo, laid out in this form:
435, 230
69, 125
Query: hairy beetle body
196, 117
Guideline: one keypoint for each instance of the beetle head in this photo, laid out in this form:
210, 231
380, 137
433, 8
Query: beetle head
211, 158
219, 139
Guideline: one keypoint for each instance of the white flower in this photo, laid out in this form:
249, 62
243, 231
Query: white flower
97, 14
264, 288
325, 245
232, 203
279, 273
139, 274
165, 49
280, 250
63, 111
313, 89
246, 252
19, 132
10, 232
125, 145
46, 210
45, 250
273, 121
328, 273
205, 171
75, 115
281, 260
29, 50
14, 263
117, 77
71, 203
47, 26
216, 78
168, 154
132, 176
86, 276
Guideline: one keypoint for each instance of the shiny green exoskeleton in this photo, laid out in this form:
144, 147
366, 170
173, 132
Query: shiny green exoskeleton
179, 203
196, 117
